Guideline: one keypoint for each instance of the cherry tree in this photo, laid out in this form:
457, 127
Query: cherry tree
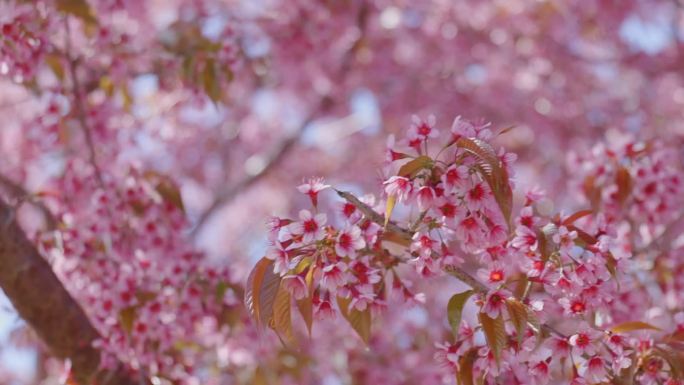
278, 191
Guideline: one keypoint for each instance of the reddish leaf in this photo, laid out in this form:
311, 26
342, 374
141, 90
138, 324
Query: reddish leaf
261, 289
624, 183
305, 305
464, 375
492, 171
360, 321
579, 214
518, 313
495, 334
282, 317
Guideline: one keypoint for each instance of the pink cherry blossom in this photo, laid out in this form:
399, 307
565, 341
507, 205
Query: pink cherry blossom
349, 241
310, 227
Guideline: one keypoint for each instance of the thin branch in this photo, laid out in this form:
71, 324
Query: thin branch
229, 193
78, 104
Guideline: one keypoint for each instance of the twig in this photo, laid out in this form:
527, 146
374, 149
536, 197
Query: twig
229, 193
78, 103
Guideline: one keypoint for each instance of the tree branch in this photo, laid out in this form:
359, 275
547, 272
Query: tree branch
43, 302
17, 192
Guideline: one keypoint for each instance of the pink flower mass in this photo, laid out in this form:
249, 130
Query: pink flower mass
342, 192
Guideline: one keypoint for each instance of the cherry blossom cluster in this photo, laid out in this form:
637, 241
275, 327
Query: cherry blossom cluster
145, 289
25, 33
553, 291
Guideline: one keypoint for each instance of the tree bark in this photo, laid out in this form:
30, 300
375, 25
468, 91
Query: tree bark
42, 301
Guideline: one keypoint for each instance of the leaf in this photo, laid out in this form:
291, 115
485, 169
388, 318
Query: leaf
631, 326
360, 321
78, 8
579, 214
55, 64
210, 82
623, 180
591, 191
518, 313
464, 375
410, 169
282, 317
455, 310
261, 289
305, 305
391, 201
391, 236
546, 247
674, 359
583, 235
495, 334
127, 317
493, 172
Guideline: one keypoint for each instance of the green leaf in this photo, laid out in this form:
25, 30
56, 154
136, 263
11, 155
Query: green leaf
495, 334
411, 168
455, 310
518, 313
632, 326
492, 171
360, 321
261, 289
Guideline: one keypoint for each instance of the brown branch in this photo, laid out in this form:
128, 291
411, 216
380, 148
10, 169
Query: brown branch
228, 193
41, 300
17, 192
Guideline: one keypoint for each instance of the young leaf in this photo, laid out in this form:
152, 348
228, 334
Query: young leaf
305, 305
464, 375
623, 180
574, 217
492, 171
360, 321
455, 310
127, 317
632, 326
282, 317
171, 193
210, 81
518, 313
410, 169
78, 8
495, 334
391, 201
262, 286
